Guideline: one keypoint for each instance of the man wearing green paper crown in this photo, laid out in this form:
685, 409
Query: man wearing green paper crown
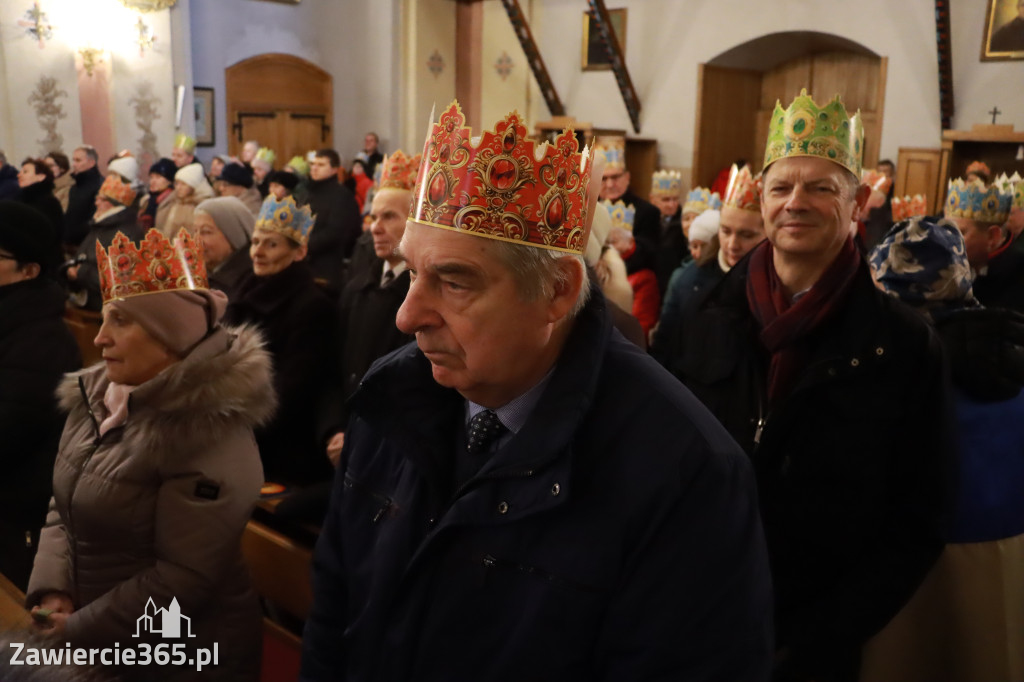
837, 393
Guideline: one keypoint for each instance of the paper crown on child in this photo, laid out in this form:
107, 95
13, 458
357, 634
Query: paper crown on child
701, 199
908, 207
806, 129
979, 167
265, 154
155, 265
612, 148
299, 165
623, 215
117, 190
504, 186
184, 141
399, 171
666, 183
876, 180
744, 190
976, 201
286, 217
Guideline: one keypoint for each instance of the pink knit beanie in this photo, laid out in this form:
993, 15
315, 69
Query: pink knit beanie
178, 319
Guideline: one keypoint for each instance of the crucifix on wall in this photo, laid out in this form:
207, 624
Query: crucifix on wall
995, 112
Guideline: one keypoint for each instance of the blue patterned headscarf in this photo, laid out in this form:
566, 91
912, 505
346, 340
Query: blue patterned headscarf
924, 264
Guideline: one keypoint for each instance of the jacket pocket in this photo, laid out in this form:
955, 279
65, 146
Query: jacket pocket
371, 503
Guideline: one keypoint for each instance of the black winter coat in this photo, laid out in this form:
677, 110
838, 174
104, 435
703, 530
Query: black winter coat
367, 314
298, 321
338, 225
81, 205
36, 349
1002, 286
230, 275
854, 468
8, 181
614, 537
40, 197
88, 280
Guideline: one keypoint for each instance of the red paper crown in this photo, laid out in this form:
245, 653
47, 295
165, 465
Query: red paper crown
400, 171
114, 189
155, 265
876, 180
504, 187
979, 167
744, 190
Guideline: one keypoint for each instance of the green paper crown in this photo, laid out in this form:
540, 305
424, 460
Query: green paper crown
805, 129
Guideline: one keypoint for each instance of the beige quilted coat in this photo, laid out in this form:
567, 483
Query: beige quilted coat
156, 508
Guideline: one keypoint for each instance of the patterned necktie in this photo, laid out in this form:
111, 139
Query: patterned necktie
389, 277
484, 429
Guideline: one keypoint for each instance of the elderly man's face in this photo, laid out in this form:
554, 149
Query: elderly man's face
464, 307
667, 205
388, 212
807, 207
81, 162
249, 152
181, 157
614, 183
980, 239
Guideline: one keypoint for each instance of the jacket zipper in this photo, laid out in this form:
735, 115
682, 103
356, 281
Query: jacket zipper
386, 502
78, 477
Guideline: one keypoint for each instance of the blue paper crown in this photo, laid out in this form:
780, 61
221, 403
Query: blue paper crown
622, 215
975, 201
287, 218
700, 199
666, 183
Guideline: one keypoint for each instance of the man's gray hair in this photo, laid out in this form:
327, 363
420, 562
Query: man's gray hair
91, 152
538, 273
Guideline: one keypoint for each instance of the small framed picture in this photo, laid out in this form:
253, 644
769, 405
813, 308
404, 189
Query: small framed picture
202, 99
595, 58
1003, 36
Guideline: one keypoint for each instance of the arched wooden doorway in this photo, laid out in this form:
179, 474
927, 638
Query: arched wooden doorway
283, 101
737, 91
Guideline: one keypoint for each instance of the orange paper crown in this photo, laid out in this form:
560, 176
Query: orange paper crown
744, 190
400, 171
154, 265
504, 187
979, 167
908, 207
877, 181
116, 190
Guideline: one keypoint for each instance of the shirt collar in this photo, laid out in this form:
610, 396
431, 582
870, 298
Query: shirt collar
514, 413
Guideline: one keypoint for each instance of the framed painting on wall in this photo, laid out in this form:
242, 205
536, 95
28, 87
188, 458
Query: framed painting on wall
1003, 37
202, 99
594, 56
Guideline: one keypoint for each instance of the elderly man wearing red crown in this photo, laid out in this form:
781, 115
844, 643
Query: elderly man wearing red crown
523, 495
836, 391
372, 297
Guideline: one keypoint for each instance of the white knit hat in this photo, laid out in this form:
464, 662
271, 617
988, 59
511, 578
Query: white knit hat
705, 226
127, 167
192, 175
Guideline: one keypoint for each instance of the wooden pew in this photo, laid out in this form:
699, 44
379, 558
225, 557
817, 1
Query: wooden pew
84, 326
13, 615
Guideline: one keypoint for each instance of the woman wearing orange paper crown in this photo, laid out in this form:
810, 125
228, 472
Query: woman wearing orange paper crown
299, 322
157, 472
112, 216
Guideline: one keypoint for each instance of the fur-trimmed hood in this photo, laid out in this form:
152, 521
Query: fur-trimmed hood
227, 380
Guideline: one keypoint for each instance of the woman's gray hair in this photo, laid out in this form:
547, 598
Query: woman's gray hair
538, 271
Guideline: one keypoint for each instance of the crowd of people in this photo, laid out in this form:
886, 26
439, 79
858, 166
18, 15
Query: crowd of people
822, 449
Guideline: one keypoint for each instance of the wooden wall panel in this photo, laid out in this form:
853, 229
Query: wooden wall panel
727, 99
783, 83
853, 76
918, 172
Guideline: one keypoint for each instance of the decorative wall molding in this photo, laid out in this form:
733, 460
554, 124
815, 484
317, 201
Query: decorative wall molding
48, 113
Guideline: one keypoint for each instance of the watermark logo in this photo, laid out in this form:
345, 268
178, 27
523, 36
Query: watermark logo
169, 621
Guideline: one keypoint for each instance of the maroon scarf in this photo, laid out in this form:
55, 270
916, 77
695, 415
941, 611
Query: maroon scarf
784, 325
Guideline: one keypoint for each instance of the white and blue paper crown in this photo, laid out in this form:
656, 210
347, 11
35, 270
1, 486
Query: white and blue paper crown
974, 201
622, 215
287, 218
700, 199
666, 183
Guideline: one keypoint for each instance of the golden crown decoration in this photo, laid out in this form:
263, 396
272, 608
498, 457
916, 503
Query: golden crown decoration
744, 190
974, 201
287, 218
666, 183
805, 129
186, 142
908, 207
400, 171
298, 165
155, 265
504, 187
701, 199
265, 154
